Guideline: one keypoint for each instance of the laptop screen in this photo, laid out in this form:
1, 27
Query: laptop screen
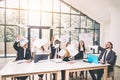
92, 58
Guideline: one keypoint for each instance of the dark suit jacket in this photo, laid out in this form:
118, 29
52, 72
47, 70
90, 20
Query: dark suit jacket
20, 52
111, 57
53, 50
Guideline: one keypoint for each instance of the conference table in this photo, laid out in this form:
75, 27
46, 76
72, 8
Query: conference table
20, 68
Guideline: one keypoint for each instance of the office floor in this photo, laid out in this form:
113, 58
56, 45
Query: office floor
3, 61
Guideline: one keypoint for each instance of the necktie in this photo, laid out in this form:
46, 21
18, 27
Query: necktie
105, 56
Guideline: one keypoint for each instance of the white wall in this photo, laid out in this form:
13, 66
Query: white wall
115, 30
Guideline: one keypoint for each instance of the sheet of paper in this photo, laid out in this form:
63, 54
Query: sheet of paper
72, 50
62, 52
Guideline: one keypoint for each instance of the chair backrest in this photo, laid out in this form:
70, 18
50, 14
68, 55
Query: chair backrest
115, 60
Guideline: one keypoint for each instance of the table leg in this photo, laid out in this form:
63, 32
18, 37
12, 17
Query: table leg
105, 73
67, 75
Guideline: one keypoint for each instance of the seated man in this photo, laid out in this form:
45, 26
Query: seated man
23, 52
107, 55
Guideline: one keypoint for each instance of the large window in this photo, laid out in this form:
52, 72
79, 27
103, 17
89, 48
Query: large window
57, 15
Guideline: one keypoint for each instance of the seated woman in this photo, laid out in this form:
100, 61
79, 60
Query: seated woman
80, 55
66, 57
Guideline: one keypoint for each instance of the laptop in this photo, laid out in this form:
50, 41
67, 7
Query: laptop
91, 58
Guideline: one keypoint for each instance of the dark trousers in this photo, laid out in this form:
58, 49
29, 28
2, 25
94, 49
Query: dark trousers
98, 76
22, 78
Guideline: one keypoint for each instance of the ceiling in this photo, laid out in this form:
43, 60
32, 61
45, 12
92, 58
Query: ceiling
99, 10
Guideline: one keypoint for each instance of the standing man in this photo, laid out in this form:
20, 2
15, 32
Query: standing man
107, 56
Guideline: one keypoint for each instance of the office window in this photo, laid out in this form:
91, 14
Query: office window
89, 23
83, 21
23, 4
65, 20
11, 34
12, 17
74, 11
65, 8
75, 21
34, 18
56, 20
46, 19
2, 16
2, 3
2, 46
23, 17
46, 5
12, 4
34, 5
58, 15
56, 6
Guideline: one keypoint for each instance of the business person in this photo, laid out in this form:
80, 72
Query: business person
55, 48
107, 55
23, 52
80, 55
66, 57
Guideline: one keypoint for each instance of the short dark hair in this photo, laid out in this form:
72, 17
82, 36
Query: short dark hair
57, 41
111, 44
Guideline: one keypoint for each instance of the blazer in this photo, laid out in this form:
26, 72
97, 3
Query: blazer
110, 58
53, 50
20, 52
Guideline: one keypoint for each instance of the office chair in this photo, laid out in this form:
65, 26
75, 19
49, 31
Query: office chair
112, 73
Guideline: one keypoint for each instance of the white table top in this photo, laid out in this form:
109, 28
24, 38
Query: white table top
13, 68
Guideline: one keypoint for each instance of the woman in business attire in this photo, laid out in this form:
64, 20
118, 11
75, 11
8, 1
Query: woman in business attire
23, 52
80, 55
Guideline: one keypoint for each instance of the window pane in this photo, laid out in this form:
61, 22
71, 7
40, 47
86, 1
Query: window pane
2, 17
12, 3
75, 21
2, 3
56, 20
65, 8
46, 5
46, 33
34, 4
65, 20
34, 33
85, 30
24, 31
2, 41
23, 17
56, 7
24, 4
96, 25
34, 18
89, 23
83, 21
11, 34
75, 34
46, 19
74, 11
12, 16
56, 33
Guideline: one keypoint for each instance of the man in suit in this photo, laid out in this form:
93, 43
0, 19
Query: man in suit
23, 52
55, 48
107, 55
